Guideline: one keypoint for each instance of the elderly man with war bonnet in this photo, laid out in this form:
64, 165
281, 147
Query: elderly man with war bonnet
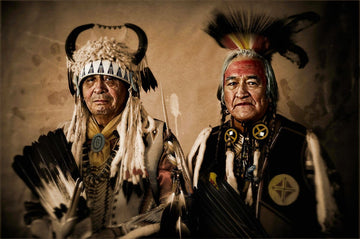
128, 163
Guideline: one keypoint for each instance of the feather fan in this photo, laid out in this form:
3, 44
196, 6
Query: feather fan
49, 170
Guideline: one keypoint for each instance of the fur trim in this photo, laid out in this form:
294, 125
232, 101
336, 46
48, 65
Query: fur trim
326, 205
199, 146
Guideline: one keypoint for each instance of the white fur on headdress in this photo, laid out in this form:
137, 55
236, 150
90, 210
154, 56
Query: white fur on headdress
103, 48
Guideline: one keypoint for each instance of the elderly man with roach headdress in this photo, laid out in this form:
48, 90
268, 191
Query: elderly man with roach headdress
259, 174
122, 167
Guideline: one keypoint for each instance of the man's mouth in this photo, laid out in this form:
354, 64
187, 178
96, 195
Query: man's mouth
242, 104
101, 101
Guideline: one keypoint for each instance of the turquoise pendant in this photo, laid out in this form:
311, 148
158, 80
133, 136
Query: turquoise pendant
97, 142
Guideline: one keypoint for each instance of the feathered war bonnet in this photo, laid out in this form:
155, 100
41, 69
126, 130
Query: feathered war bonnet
115, 58
259, 36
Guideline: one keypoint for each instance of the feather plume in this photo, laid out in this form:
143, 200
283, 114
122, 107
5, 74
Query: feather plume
264, 34
242, 24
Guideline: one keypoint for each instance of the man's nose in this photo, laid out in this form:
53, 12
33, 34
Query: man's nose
242, 91
100, 86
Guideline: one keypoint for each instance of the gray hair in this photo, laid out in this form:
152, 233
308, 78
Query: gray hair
271, 85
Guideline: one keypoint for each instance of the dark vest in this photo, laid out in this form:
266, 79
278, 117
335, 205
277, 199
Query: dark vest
290, 210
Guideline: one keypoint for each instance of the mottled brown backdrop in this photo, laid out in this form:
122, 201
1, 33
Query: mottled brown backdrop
187, 63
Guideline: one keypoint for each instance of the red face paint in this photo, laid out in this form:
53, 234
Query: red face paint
245, 67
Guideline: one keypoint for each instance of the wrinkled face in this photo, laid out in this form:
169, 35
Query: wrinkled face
104, 96
245, 89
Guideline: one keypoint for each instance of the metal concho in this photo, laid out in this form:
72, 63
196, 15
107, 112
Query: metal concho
230, 135
260, 131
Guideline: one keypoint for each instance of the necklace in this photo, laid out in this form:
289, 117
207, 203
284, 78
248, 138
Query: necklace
98, 186
95, 174
245, 148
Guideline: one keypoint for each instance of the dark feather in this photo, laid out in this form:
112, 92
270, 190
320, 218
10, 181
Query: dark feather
34, 211
137, 189
30, 178
127, 189
299, 22
148, 80
60, 151
296, 55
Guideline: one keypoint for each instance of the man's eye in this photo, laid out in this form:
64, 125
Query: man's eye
252, 82
89, 80
111, 82
232, 83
